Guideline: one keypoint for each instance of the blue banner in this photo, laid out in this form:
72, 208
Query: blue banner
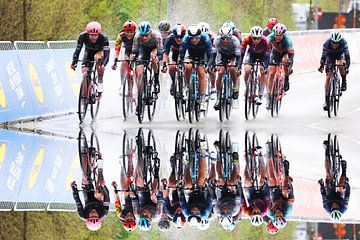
16, 98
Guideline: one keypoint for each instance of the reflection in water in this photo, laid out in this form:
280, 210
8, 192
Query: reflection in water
95, 192
335, 191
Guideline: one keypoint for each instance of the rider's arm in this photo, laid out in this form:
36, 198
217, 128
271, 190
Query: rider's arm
346, 53
118, 45
238, 54
290, 49
135, 46
106, 49
347, 194
106, 202
159, 46
208, 46
183, 47
79, 205
118, 207
79, 45
324, 52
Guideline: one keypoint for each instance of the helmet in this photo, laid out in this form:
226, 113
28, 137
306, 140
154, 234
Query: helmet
179, 220
129, 225
194, 31
230, 24
256, 220
335, 215
93, 223
279, 222
279, 29
271, 228
226, 31
194, 221
335, 36
204, 224
164, 225
144, 28
227, 223
271, 22
129, 26
179, 30
164, 26
204, 27
144, 224
256, 31
93, 28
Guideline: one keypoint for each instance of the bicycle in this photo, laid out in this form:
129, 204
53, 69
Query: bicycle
193, 98
252, 91
334, 157
278, 159
89, 157
278, 89
334, 91
180, 103
147, 96
128, 98
180, 149
226, 90
88, 92
252, 157
225, 154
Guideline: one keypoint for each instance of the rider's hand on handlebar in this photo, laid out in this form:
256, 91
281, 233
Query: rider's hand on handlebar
164, 68
73, 66
114, 184
321, 68
102, 68
113, 67
73, 185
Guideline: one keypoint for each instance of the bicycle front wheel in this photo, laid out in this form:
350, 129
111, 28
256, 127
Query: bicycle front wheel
229, 100
179, 106
255, 94
337, 97
83, 150
83, 99
274, 97
191, 102
152, 98
141, 100
126, 97
248, 98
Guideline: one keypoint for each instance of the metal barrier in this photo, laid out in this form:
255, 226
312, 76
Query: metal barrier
62, 207
6, 45
62, 44
6, 206
30, 45
30, 206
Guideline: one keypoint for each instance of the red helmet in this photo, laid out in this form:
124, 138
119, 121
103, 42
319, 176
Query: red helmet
93, 28
93, 223
271, 228
179, 30
130, 225
271, 23
130, 26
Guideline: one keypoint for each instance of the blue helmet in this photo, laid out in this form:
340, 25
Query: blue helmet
144, 224
144, 28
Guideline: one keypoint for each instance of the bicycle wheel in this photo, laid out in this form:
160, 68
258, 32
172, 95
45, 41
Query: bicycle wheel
274, 96
179, 106
95, 98
248, 150
229, 100
84, 154
207, 96
191, 101
126, 154
191, 153
337, 96
141, 99
153, 155
126, 97
222, 100
255, 94
83, 99
336, 160
280, 95
248, 98
152, 98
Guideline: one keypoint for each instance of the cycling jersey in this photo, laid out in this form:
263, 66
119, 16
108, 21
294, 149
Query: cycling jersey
197, 198
332, 54
279, 202
225, 53
101, 44
199, 50
260, 51
143, 202
284, 46
101, 207
155, 41
256, 198
123, 41
330, 196
123, 209
171, 45
171, 205
226, 198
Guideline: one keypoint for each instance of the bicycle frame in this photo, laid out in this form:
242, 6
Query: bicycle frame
127, 90
226, 93
252, 88
278, 89
334, 91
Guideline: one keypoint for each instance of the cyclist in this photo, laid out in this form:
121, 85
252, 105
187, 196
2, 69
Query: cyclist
96, 202
147, 45
282, 197
269, 26
335, 50
256, 202
228, 52
171, 198
124, 211
282, 51
96, 48
195, 200
164, 28
172, 43
335, 198
227, 195
147, 201
258, 48
124, 40
195, 46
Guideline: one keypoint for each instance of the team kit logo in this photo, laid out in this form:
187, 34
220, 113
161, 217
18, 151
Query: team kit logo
35, 82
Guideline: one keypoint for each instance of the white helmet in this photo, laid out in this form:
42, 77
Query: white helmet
335, 36
204, 224
256, 220
194, 30
226, 31
204, 27
335, 215
227, 223
256, 31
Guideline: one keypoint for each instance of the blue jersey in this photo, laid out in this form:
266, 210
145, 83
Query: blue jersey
329, 51
284, 46
170, 44
330, 196
203, 45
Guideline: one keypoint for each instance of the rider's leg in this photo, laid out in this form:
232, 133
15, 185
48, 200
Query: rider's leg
155, 67
220, 73
235, 79
99, 56
343, 74
202, 170
203, 86
271, 173
123, 69
327, 88
263, 171
270, 83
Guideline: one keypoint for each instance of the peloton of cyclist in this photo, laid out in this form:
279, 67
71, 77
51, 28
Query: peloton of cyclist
172, 44
282, 51
147, 45
196, 46
96, 48
258, 48
269, 26
335, 50
228, 52
124, 40
335, 198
